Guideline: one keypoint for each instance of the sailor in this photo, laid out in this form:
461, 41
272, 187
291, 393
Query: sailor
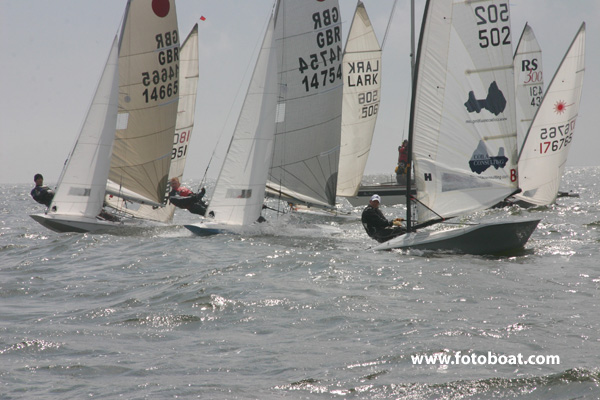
377, 226
402, 163
41, 193
183, 197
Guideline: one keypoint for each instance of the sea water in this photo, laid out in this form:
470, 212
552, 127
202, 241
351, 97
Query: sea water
303, 311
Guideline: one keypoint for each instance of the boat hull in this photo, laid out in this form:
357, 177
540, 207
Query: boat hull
207, 229
488, 238
64, 224
390, 194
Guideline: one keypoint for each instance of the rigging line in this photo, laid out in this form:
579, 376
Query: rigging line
424, 205
388, 24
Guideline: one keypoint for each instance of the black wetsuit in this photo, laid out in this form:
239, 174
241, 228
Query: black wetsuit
378, 227
42, 194
193, 203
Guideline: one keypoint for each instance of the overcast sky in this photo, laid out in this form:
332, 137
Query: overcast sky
53, 52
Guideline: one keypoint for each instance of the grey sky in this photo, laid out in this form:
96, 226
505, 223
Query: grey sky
52, 54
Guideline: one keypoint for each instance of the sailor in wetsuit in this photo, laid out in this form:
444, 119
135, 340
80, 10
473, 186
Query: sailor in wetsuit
183, 197
377, 226
41, 193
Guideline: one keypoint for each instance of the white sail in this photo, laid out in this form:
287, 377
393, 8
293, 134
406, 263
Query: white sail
149, 84
362, 84
307, 142
239, 193
80, 190
544, 154
529, 81
188, 84
463, 117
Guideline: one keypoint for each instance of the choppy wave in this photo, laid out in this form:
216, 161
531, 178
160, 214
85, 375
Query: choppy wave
299, 309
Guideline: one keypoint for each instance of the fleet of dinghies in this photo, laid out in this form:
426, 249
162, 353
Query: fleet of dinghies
482, 128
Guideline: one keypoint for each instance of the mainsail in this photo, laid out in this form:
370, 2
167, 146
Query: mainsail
188, 84
529, 81
361, 94
149, 81
239, 193
463, 132
80, 189
307, 142
544, 154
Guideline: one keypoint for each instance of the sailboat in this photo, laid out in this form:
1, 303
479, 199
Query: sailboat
462, 136
295, 86
238, 196
544, 152
128, 132
188, 84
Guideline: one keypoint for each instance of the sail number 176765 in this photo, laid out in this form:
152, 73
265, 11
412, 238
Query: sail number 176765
561, 135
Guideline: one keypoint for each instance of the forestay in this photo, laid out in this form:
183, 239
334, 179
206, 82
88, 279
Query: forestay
529, 81
80, 189
239, 193
307, 142
148, 95
463, 127
361, 94
544, 154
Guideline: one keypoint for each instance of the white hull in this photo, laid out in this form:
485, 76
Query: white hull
209, 228
487, 238
69, 223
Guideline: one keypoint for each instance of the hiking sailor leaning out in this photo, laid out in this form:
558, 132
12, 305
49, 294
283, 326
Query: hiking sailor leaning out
377, 226
41, 193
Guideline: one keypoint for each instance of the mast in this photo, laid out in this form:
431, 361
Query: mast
412, 40
414, 73
410, 133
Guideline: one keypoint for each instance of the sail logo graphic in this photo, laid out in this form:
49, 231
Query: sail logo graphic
481, 160
495, 102
560, 107
161, 7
